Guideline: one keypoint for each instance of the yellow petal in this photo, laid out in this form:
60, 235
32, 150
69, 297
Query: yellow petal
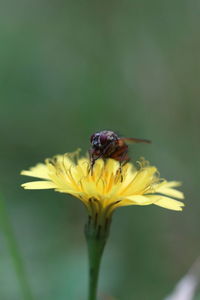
172, 184
38, 185
167, 202
83, 167
140, 182
39, 171
167, 189
171, 192
138, 200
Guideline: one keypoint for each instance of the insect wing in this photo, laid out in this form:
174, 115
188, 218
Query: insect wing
134, 140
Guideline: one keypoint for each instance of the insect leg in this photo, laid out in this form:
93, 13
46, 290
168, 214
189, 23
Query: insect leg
123, 161
92, 161
121, 156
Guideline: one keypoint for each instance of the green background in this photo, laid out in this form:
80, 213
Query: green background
68, 69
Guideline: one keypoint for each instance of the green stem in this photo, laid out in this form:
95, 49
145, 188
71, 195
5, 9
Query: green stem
14, 251
96, 236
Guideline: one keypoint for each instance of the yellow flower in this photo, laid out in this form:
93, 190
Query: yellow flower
106, 187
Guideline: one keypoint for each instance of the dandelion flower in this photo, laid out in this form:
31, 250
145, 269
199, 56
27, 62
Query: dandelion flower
106, 187
103, 189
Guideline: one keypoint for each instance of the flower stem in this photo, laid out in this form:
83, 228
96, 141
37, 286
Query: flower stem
14, 251
96, 236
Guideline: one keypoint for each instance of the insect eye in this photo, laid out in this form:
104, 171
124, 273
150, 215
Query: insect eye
103, 139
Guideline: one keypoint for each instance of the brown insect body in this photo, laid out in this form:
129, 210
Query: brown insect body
107, 144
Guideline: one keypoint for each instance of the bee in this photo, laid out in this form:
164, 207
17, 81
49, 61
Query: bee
107, 144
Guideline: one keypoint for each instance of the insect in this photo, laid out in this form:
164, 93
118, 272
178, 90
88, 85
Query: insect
107, 144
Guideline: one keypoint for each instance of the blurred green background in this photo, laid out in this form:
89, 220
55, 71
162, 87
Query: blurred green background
68, 69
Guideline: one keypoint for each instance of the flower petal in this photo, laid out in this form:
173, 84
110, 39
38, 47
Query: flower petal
141, 180
39, 185
167, 202
167, 189
137, 200
39, 171
172, 184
